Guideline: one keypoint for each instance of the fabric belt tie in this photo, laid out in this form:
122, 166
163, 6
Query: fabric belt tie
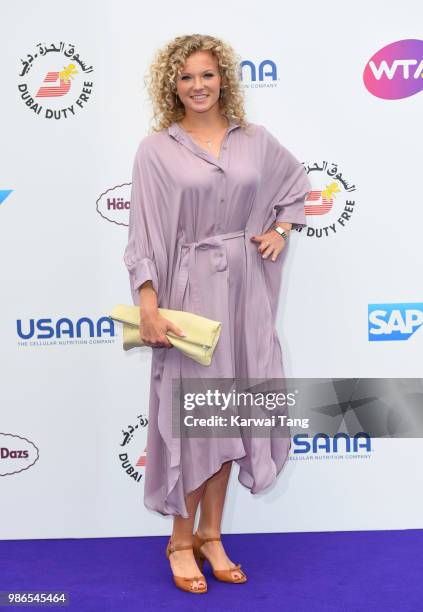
188, 258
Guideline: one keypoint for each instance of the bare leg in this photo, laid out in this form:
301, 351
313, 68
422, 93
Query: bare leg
209, 525
182, 561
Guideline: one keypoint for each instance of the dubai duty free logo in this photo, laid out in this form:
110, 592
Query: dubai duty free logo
395, 71
131, 460
54, 81
330, 203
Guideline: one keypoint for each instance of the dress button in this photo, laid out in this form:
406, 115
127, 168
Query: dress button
222, 199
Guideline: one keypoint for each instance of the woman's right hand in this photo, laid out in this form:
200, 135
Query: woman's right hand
153, 329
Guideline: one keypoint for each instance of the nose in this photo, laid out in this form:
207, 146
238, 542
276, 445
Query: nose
198, 84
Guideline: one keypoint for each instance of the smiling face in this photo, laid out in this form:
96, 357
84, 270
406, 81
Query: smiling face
198, 85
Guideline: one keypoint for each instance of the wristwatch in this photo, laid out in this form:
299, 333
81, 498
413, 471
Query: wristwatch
280, 231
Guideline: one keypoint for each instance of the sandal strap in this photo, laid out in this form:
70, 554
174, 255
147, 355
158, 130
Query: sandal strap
198, 578
173, 548
204, 540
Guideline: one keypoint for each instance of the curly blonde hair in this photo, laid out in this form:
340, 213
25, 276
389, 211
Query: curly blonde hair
168, 62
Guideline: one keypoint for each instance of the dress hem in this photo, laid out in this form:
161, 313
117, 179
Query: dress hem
275, 477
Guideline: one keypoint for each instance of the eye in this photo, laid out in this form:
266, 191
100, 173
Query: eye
209, 74
185, 77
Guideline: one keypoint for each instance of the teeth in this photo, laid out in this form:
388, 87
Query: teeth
199, 97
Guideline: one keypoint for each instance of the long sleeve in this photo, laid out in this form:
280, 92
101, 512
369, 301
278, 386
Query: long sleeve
290, 183
139, 253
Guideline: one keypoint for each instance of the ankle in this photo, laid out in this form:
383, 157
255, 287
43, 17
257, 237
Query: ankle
207, 533
176, 542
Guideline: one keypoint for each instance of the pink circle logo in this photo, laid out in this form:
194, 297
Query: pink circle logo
395, 71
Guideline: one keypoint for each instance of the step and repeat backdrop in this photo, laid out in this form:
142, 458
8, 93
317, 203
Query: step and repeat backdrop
340, 87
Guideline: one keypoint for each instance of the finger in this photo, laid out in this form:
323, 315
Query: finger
268, 251
257, 238
164, 342
176, 330
276, 253
264, 245
156, 345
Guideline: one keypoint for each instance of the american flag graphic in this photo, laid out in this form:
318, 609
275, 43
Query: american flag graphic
53, 91
316, 204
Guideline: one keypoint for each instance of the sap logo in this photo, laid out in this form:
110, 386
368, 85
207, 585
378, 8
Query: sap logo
324, 442
394, 321
396, 70
66, 327
266, 68
4, 193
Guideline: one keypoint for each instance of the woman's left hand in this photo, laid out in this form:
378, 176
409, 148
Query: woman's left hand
270, 243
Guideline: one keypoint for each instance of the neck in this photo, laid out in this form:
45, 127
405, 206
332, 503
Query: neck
204, 122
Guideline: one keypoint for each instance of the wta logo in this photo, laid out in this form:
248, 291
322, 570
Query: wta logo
396, 71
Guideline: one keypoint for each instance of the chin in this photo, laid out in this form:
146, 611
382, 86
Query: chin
200, 109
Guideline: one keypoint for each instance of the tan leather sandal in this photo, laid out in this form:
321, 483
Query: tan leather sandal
225, 575
186, 584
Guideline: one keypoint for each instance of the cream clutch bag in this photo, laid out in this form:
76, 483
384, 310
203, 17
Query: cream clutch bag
199, 343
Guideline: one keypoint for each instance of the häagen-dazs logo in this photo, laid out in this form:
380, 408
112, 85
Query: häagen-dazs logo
329, 205
113, 205
395, 71
53, 81
16, 454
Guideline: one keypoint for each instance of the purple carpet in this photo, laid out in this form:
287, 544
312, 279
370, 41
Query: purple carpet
296, 572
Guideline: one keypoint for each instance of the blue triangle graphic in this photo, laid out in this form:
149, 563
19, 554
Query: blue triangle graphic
4, 193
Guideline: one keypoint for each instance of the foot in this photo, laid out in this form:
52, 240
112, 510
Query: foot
217, 556
183, 564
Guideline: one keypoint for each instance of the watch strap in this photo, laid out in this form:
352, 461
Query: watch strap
280, 231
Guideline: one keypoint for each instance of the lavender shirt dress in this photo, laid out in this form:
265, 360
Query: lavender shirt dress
191, 219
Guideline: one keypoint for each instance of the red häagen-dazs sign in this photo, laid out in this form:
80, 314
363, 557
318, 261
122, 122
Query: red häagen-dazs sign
16, 454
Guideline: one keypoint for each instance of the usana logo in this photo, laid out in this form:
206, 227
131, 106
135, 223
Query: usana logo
113, 205
130, 458
53, 82
65, 331
257, 75
340, 446
329, 205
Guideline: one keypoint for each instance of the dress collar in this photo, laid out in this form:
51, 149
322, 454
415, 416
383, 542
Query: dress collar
176, 130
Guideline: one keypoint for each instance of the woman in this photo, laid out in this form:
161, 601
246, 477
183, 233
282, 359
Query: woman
208, 190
